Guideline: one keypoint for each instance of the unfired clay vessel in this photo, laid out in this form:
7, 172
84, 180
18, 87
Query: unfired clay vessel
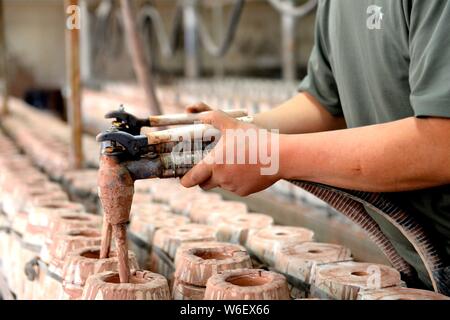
83, 263
202, 212
143, 285
247, 284
399, 293
298, 260
344, 280
265, 243
196, 265
236, 228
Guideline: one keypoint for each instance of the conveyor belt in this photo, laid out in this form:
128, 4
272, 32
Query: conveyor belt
351, 203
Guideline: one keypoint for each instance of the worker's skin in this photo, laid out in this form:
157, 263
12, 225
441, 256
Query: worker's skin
405, 155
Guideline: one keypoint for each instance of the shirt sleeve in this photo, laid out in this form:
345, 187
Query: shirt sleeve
319, 81
429, 74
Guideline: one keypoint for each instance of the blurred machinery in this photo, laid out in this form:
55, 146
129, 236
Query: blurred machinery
189, 25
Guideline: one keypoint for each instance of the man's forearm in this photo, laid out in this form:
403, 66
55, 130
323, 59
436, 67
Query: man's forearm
405, 155
301, 114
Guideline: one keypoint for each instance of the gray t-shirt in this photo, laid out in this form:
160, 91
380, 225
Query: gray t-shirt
376, 61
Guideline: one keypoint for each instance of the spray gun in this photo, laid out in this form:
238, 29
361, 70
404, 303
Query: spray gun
127, 156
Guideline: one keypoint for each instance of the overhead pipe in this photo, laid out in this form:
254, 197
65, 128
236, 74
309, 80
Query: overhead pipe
289, 16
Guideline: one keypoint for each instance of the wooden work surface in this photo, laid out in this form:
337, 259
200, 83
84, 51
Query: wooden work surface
327, 228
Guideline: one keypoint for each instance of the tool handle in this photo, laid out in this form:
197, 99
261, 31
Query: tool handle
203, 132
165, 165
185, 118
176, 165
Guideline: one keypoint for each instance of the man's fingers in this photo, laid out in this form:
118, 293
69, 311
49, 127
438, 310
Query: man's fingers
219, 120
197, 175
198, 107
209, 184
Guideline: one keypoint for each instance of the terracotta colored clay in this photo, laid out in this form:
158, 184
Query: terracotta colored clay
82, 187
39, 198
143, 186
39, 219
120, 239
299, 260
140, 198
106, 238
170, 238
116, 188
24, 190
146, 226
167, 240
149, 209
185, 291
144, 229
247, 284
344, 280
196, 265
265, 243
163, 189
202, 212
143, 285
70, 221
41, 214
182, 204
197, 244
237, 228
399, 293
81, 264
64, 243
46, 286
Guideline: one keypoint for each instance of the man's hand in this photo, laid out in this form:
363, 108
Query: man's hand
198, 107
301, 114
215, 170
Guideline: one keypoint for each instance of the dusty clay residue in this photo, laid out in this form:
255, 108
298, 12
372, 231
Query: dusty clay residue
249, 280
83, 263
142, 285
64, 243
91, 254
265, 243
84, 233
75, 218
116, 189
120, 237
400, 293
195, 265
134, 279
211, 254
344, 280
247, 284
359, 274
